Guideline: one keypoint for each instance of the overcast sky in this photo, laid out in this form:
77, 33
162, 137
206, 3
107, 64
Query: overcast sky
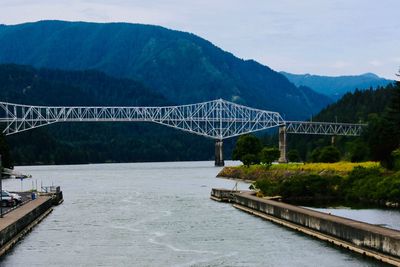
328, 37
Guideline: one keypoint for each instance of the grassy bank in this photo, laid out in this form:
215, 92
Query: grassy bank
366, 181
280, 171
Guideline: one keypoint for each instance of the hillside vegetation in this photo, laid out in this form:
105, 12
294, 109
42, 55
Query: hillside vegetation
369, 107
360, 181
67, 143
342, 181
281, 171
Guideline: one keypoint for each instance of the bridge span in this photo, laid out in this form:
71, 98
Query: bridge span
217, 119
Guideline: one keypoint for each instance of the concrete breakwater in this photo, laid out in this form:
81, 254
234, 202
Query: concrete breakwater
18, 222
370, 240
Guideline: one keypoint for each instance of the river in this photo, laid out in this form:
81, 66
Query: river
159, 214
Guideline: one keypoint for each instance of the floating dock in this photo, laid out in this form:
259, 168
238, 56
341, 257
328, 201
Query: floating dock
377, 242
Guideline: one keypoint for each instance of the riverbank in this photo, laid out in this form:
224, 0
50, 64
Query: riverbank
369, 240
279, 171
356, 182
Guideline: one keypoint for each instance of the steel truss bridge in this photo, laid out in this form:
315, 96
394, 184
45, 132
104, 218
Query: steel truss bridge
217, 119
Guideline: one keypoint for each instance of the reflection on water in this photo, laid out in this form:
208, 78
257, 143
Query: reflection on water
158, 214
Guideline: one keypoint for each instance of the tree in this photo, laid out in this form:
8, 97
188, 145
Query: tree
392, 124
246, 144
396, 159
383, 132
375, 136
294, 156
250, 159
269, 155
358, 151
314, 157
329, 154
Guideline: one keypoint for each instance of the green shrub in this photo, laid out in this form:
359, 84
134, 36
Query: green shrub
396, 159
314, 157
300, 186
269, 155
358, 151
388, 188
310, 186
246, 144
329, 154
363, 183
372, 183
267, 187
250, 159
294, 156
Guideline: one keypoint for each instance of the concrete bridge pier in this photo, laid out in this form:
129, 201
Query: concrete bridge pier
219, 153
282, 144
333, 140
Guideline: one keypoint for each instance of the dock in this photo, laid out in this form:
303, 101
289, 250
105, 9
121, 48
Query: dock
380, 243
16, 223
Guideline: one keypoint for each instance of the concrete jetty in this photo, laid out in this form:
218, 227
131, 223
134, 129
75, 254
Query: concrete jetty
370, 240
18, 222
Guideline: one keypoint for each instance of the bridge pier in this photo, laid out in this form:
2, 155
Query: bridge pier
219, 153
282, 144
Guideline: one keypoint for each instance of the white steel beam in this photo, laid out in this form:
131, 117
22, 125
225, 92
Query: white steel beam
218, 119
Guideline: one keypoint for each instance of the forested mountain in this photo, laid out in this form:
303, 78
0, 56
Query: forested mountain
66, 143
368, 106
27, 85
181, 66
356, 107
335, 87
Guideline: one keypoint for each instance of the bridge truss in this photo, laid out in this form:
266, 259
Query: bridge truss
218, 119
324, 128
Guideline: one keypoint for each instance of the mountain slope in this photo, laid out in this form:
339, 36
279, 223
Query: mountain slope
335, 87
27, 85
181, 66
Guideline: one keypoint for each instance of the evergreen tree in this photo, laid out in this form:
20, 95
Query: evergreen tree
293, 156
329, 154
269, 155
384, 132
250, 159
392, 116
246, 144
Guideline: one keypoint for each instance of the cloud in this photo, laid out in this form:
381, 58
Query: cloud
375, 63
94, 14
340, 64
285, 34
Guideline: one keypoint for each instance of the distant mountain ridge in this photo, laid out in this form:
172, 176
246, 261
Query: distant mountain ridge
335, 87
182, 67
